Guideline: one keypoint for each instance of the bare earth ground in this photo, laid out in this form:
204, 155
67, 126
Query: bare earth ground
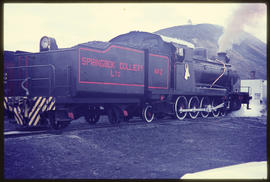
164, 149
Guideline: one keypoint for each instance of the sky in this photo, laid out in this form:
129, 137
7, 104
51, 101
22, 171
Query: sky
71, 24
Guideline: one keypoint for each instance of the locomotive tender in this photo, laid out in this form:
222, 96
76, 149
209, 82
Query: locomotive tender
134, 74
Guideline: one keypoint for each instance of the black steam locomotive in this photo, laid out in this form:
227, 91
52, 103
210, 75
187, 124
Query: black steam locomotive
134, 74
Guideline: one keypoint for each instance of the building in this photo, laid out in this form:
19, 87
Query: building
257, 89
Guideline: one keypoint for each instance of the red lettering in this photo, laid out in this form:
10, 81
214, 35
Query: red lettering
135, 67
112, 74
158, 71
99, 63
161, 71
93, 61
115, 73
130, 67
122, 66
84, 61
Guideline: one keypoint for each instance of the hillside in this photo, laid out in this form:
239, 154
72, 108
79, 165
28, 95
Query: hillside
246, 56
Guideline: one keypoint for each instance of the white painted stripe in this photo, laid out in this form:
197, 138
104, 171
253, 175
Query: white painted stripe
39, 107
19, 114
34, 108
18, 117
18, 109
44, 107
37, 119
5, 105
17, 120
47, 104
26, 112
51, 105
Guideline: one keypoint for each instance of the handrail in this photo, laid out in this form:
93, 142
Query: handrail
26, 90
224, 70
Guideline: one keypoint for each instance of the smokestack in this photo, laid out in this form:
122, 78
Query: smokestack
252, 74
222, 56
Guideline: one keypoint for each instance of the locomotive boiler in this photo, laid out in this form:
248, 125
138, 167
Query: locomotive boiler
134, 74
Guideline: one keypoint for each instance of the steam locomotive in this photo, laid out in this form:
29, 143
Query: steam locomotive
134, 74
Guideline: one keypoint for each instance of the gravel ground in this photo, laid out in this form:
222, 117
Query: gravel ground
167, 149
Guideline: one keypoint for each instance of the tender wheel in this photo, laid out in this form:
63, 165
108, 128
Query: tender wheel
55, 122
115, 115
194, 103
181, 103
148, 114
205, 103
215, 102
93, 115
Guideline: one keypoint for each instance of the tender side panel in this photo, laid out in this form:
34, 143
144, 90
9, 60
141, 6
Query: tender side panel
119, 70
113, 66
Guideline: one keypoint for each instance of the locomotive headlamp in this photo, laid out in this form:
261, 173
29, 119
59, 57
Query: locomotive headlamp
47, 43
44, 43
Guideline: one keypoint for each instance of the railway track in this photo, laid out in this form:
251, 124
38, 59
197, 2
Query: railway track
82, 125
9, 134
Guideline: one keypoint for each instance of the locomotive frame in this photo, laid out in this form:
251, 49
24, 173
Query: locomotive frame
52, 88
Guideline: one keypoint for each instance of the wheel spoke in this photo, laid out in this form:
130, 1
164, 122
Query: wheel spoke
180, 103
92, 115
223, 112
215, 102
148, 114
204, 105
194, 104
115, 115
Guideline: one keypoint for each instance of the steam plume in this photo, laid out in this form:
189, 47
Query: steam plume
245, 15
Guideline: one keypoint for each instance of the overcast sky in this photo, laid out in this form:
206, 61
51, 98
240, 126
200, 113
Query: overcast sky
71, 24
